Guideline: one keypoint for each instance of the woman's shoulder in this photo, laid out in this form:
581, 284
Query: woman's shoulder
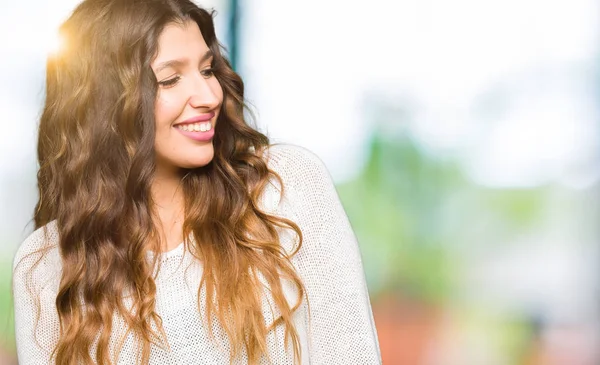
295, 163
39, 249
304, 177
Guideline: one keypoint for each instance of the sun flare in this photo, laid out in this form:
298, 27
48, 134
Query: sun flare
54, 43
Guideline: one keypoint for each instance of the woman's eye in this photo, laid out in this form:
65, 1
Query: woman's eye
169, 82
208, 72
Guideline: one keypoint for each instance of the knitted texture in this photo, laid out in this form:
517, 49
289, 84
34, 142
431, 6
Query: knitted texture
338, 328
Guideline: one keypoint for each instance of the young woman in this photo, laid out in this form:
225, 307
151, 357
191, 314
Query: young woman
168, 230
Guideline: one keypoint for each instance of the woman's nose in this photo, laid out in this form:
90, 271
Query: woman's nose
205, 93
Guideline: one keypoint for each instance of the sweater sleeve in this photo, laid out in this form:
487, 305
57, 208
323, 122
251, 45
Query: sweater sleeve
341, 330
36, 273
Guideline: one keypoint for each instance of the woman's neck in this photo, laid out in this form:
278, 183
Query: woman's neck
169, 205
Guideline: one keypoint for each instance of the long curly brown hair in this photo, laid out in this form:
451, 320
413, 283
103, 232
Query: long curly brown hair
96, 162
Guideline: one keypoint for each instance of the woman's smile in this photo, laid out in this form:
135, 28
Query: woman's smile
199, 128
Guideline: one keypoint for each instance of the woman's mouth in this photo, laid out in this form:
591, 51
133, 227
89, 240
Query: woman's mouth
202, 131
198, 128
195, 127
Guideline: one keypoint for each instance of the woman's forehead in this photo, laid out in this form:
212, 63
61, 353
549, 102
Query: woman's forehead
180, 41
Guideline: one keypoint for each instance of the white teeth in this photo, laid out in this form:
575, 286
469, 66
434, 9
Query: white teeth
196, 127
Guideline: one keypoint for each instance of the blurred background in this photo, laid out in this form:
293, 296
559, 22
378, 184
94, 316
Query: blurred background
464, 139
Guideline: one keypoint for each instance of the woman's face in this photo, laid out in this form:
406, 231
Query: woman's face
188, 100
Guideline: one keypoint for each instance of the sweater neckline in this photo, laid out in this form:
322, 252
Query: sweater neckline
177, 251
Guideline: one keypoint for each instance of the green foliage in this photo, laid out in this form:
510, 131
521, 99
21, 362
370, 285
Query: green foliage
7, 334
395, 209
416, 215
521, 208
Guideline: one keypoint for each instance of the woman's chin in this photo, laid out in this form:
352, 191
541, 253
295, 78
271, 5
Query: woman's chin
200, 160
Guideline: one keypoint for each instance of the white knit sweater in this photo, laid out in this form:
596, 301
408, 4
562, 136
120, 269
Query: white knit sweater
339, 330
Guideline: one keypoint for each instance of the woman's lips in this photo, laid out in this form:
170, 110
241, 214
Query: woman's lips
198, 119
198, 128
198, 136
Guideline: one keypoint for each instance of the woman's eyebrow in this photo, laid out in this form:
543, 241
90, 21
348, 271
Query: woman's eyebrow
181, 62
172, 63
207, 55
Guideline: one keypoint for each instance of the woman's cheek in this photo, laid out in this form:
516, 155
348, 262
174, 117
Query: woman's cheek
167, 109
